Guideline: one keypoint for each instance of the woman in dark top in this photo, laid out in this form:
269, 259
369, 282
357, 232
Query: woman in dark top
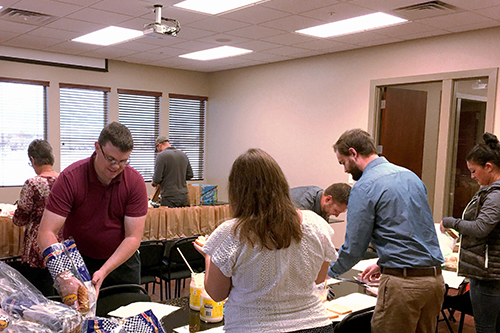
479, 257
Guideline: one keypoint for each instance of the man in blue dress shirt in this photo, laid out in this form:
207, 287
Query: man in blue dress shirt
388, 207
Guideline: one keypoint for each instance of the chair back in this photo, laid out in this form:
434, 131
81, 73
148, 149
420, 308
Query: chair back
112, 297
358, 321
176, 263
151, 254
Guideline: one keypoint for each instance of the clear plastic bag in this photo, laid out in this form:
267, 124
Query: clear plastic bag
145, 322
71, 277
25, 309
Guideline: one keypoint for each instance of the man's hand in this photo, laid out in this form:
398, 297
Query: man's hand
97, 280
371, 274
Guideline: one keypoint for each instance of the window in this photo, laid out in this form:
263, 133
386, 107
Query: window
23, 118
140, 112
186, 129
84, 113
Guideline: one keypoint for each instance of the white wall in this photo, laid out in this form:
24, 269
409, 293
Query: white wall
296, 110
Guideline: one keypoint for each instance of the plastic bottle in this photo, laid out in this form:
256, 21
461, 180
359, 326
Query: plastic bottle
195, 289
210, 310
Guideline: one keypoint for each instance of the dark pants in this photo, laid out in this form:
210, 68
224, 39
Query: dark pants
485, 299
324, 329
40, 278
126, 273
177, 201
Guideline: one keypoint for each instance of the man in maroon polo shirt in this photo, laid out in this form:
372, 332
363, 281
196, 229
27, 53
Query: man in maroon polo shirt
102, 203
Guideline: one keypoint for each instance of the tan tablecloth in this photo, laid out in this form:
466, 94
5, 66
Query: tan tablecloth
11, 238
170, 223
161, 223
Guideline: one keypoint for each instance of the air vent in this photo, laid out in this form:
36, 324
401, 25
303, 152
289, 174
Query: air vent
26, 16
426, 9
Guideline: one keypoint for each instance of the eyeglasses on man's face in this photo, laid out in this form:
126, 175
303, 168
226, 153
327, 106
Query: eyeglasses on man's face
111, 160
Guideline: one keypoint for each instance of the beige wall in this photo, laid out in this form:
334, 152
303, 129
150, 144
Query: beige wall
296, 110
120, 75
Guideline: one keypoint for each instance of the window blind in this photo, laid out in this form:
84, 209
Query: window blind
23, 118
140, 112
187, 129
84, 113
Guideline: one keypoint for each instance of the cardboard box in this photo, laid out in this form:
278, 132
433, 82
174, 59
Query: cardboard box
208, 194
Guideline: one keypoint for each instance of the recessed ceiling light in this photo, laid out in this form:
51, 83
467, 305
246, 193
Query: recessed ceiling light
216, 53
108, 36
215, 6
352, 25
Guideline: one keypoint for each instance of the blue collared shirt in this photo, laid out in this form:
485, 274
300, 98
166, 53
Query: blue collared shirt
388, 206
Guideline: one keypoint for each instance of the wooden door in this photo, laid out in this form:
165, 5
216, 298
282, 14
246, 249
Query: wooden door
402, 127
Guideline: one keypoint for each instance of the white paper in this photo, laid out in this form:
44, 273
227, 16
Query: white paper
159, 310
362, 264
331, 281
452, 279
182, 329
354, 301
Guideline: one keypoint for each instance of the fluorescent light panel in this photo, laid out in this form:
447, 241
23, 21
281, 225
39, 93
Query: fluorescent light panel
215, 6
216, 53
352, 25
108, 36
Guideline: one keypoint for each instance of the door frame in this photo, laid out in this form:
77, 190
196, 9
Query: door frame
446, 127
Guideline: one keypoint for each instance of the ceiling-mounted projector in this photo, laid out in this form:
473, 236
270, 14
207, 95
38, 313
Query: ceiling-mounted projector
158, 28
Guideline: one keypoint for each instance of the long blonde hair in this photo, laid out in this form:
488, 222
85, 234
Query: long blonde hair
259, 199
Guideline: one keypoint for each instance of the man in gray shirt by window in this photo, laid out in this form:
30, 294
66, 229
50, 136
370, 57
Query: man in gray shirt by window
172, 169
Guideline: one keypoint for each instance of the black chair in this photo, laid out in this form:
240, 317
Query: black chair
174, 267
461, 302
151, 254
112, 297
358, 321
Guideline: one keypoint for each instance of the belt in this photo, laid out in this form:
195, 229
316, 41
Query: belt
414, 271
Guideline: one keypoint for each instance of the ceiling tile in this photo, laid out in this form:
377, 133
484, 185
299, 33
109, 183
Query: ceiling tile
99, 16
126, 7
472, 4
491, 12
256, 14
403, 29
18, 28
285, 50
183, 16
257, 45
6, 35
337, 12
58, 9
223, 39
34, 41
297, 6
193, 45
193, 33
63, 35
255, 32
72, 48
476, 26
359, 39
453, 20
217, 24
292, 23
109, 53
81, 27
288, 39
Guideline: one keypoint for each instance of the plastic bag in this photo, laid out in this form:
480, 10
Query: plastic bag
25, 309
145, 322
71, 277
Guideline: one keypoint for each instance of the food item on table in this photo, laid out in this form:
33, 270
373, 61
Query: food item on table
338, 308
451, 261
200, 241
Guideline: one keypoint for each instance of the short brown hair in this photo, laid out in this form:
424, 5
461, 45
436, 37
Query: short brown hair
358, 139
260, 201
119, 136
339, 192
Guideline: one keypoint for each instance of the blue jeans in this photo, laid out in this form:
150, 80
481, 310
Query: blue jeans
485, 299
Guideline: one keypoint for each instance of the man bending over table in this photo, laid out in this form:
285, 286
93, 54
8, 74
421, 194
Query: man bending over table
102, 203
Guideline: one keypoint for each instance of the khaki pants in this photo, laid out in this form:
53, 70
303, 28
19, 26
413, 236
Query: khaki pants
408, 304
